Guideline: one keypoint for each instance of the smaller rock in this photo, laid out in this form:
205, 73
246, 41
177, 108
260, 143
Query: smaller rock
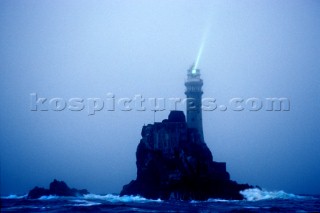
37, 192
57, 188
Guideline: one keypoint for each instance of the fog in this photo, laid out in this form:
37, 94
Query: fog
89, 49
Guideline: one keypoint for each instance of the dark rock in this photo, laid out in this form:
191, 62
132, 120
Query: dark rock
174, 163
37, 192
58, 188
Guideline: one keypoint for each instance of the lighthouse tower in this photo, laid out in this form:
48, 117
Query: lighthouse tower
194, 93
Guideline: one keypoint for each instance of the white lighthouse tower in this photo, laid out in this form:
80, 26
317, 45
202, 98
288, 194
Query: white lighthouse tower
194, 96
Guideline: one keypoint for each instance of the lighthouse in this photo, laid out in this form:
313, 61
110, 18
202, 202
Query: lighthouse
194, 93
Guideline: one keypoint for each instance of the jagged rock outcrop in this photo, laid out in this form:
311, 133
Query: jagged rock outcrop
58, 188
173, 163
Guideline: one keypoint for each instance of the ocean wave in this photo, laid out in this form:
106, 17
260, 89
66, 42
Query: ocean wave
50, 197
213, 200
117, 198
256, 194
220, 200
14, 197
85, 203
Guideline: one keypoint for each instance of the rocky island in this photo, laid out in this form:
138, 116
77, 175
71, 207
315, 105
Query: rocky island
56, 188
174, 162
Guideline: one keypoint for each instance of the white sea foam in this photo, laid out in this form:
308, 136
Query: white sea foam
14, 197
219, 200
117, 198
85, 203
256, 194
49, 197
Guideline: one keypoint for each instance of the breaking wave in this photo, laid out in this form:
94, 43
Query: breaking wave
14, 197
256, 194
49, 197
108, 197
117, 198
85, 203
217, 200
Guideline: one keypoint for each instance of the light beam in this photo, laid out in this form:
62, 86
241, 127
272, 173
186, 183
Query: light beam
200, 51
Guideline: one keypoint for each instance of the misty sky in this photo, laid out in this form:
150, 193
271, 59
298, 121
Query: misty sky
87, 49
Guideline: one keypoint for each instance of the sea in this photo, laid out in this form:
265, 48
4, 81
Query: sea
256, 200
